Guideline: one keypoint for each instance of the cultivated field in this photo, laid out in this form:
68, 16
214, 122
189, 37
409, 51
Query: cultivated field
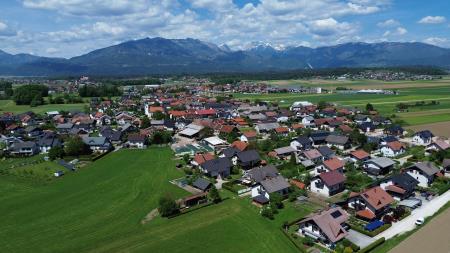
385, 104
439, 129
433, 237
100, 208
10, 106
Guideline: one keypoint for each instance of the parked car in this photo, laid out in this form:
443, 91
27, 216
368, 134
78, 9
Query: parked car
420, 221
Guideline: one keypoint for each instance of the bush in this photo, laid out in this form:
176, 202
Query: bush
370, 233
372, 246
168, 206
267, 212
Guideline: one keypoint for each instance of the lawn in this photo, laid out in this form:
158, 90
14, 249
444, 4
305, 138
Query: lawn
99, 209
10, 106
30, 167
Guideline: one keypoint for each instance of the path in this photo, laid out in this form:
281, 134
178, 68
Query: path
424, 211
433, 237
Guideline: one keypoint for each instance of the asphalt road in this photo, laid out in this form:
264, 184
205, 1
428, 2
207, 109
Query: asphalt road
433, 237
407, 224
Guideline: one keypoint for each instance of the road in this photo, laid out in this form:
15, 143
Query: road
408, 223
433, 237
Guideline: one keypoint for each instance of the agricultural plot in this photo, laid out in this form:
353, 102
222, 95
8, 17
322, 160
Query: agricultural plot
100, 209
10, 106
385, 104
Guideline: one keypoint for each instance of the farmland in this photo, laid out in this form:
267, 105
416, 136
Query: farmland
99, 209
409, 92
10, 106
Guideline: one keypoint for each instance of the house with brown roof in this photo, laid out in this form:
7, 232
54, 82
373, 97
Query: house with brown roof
333, 164
392, 149
248, 136
326, 226
200, 158
371, 203
438, 145
239, 145
328, 183
359, 155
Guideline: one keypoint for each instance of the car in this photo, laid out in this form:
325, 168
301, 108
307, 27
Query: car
420, 221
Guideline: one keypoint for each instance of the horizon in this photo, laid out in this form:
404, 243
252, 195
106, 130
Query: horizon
69, 29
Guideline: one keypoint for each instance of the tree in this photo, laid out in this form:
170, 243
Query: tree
168, 206
214, 194
276, 200
322, 105
267, 212
75, 147
158, 115
369, 107
145, 123
55, 153
186, 158
24, 95
161, 137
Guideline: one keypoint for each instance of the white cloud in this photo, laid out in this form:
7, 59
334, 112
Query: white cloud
328, 27
397, 32
432, 20
437, 41
388, 23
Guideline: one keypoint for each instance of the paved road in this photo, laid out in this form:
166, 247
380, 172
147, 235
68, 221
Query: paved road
432, 238
427, 209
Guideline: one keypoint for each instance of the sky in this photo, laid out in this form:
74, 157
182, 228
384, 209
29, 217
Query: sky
67, 28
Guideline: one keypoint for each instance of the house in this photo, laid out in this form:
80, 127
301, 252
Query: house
239, 145
423, 138
326, 152
150, 110
200, 158
392, 149
283, 152
371, 203
277, 184
438, 145
339, 141
258, 174
333, 164
308, 121
367, 127
249, 136
136, 141
191, 130
424, 172
302, 143
446, 165
26, 148
218, 167
359, 155
48, 141
64, 127
378, 166
33, 131
266, 127
97, 144
314, 155
248, 159
328, 183
114, 136
395, 130
215, 142
400, 186
319, 137
282, 131
202, 184
326, 226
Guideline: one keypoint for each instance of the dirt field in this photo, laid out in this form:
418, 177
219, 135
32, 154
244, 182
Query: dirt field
438, 129
433, 237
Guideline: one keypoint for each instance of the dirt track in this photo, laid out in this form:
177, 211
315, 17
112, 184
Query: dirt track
434, 237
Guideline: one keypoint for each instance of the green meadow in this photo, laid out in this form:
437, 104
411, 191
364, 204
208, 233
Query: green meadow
100, 208
10, 106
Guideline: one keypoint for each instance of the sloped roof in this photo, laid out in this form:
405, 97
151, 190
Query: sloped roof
377, 197
329, 222
426, 167
360, 154
275, 184
332, 177
334, 163
259, 174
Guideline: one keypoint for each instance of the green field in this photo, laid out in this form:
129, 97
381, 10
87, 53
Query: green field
100, 208
385, 104
30, 167
10, 106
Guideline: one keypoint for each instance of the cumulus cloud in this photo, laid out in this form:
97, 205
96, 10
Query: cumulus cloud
432, 20
397, 32
5, 30
388, 23
437, 41
280, 22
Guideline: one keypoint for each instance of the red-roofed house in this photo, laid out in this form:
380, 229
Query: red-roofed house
374, 200
333, 164
328, 183
359, 155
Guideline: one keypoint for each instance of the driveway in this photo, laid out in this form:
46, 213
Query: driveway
427, 209
359, 239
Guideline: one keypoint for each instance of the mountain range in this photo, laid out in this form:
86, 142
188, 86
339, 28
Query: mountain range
176, 56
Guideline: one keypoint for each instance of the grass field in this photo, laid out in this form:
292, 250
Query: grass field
10, 106
31, 167
385, 104
99, 209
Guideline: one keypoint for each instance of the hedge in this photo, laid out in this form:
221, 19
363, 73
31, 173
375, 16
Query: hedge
372, 246
370, 233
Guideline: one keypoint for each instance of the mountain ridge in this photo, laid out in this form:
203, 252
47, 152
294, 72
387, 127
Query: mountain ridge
176, 56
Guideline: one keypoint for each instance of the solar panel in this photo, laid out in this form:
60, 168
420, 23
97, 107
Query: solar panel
336, 214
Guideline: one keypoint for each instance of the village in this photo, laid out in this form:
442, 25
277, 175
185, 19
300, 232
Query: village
367, 173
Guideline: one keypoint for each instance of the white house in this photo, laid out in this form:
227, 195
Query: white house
423, 138
392, 149
328, 183
424, 172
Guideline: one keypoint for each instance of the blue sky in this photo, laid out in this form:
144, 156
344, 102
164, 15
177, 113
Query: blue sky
66, 28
